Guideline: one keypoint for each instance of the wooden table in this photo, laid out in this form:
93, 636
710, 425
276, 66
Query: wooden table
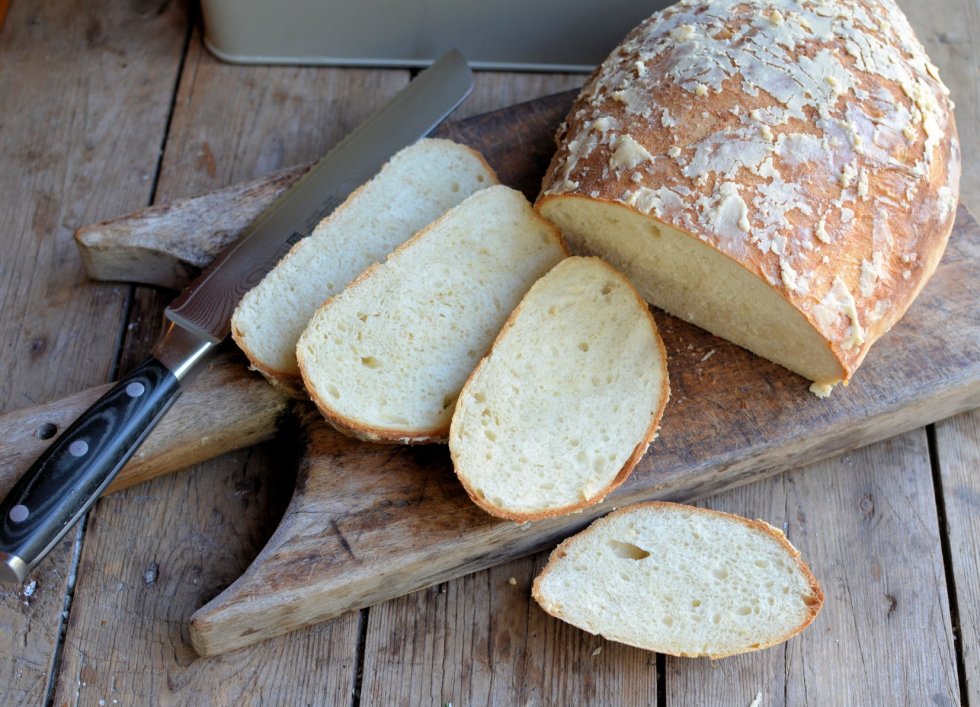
108, 106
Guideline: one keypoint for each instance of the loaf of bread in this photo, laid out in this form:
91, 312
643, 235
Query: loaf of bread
416, 186
385, 359
562, 408
781, 173
680, 580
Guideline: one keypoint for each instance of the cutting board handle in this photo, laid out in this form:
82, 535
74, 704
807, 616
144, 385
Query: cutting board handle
237, 409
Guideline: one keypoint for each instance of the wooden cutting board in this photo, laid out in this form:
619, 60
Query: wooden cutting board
368, 522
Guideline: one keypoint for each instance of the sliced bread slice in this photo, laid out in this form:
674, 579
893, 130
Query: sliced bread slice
415, 187
680, 580
566, 402
385, 359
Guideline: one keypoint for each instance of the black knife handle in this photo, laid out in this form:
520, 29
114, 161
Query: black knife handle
71, 474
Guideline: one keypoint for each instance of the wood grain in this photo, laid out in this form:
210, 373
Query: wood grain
951, 23
958, 452
368, 523
194, 430
85, 91
126, 638
866, 524
482, 640
529, 128
168, 244
951, 36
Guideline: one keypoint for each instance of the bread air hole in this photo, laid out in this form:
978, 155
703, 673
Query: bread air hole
628, 551
583, 346
370, 362
334, 393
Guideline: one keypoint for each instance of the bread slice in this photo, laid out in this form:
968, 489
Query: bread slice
785, 180
416, 186
562, 408
385, 359
680, 580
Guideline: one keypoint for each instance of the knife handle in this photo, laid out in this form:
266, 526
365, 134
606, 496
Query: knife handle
71, 474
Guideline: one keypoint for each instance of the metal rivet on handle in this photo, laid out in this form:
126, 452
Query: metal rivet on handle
135, 389
78, 448
19, 513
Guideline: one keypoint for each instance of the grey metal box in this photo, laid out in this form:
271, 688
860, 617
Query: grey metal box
543, 35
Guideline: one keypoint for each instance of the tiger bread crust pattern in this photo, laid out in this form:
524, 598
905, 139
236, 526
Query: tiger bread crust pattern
783, 174
681, 580
385, 359
563, 407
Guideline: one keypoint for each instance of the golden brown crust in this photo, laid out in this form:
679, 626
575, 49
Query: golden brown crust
289, 384
814, 601
630, 463
352, 428
368, 433
813, 144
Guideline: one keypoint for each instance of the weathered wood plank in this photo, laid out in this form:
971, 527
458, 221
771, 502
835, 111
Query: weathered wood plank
951, 35
950, 32
481, 639
195, 532
866, 523
958, 447
85, 91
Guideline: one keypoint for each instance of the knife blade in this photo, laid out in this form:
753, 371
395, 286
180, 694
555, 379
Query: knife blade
65, 481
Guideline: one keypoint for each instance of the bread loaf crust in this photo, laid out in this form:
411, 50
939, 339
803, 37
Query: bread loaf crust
812, 143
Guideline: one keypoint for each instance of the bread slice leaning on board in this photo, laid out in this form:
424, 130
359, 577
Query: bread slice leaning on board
783, 174
568, 398
415, 187
680, 580
385, 359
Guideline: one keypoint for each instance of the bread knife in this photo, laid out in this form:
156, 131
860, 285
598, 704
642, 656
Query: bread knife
66, 480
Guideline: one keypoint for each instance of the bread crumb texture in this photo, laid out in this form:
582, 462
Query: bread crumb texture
415, 187
386, 358
680, 580
809, 146
566, 402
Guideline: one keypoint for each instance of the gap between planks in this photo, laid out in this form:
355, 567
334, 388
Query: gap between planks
947, 553
54, 669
